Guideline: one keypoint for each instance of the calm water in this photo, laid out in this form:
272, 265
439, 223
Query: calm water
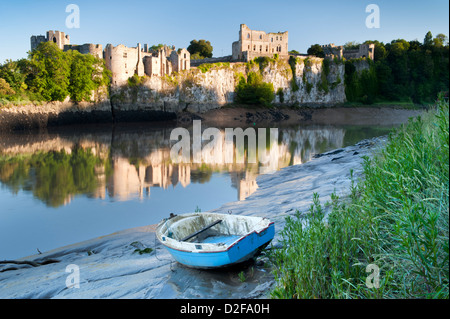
79, 183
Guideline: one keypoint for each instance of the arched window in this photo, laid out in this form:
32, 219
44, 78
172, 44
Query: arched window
254, 48
260, 37
54, 39
248, 35
260, 48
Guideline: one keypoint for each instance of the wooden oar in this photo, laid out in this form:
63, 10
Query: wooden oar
201, 230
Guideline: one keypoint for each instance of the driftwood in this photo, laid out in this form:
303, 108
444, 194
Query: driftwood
26, 262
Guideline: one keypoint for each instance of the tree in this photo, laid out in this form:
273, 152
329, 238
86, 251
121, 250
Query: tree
5, 89
428, 41
440, 40
202, 49
316, 50
51, 69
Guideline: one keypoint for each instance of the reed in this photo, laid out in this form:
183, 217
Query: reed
395, 218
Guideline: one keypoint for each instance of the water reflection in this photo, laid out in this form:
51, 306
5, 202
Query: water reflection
125, 164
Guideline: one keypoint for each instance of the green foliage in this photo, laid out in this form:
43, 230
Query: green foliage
293, 64
143, 251
51, 71
5, 89
280, 94
404, 71
135, 80
309, 87
49, 74
205, 67
317, 51
396, 218
254, 91
351, 45
52, 177
203, 48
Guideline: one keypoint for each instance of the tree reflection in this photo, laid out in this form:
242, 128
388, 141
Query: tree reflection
53, 177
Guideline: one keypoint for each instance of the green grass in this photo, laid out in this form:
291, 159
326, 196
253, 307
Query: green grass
395, 218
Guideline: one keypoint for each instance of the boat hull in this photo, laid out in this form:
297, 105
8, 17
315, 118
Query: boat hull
242, 249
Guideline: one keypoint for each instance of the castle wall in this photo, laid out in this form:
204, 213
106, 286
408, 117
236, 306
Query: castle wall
260, 43
88, 48
59, 38
181, 60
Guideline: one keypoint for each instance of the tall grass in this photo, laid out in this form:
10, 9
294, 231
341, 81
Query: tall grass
396, 219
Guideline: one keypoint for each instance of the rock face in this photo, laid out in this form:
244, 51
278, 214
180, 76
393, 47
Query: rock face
301, 82
308, 82
35, 117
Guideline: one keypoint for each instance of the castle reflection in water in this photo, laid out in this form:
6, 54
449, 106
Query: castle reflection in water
129, 163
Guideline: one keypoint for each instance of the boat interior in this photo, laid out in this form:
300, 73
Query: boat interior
211, 228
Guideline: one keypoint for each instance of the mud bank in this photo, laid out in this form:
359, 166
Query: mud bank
38, 118
110, 267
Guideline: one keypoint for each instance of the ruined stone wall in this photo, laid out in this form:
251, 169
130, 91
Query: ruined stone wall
364, 51
260, 43
88, 48
58, 37
124, 62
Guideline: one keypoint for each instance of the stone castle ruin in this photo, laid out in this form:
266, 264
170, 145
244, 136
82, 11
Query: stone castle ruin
124, 62
252, 44
363, 51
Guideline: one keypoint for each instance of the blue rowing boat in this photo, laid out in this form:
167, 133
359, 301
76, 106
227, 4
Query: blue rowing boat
209, 240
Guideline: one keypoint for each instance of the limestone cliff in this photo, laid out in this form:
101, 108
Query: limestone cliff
301, 82
297, 82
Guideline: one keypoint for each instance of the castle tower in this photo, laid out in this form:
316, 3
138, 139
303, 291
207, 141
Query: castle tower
58, 37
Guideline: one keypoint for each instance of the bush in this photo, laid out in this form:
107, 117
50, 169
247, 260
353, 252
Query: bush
254, 91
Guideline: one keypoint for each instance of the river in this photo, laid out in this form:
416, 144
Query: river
66, 185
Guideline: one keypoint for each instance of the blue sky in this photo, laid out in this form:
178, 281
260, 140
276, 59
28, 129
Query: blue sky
177, 22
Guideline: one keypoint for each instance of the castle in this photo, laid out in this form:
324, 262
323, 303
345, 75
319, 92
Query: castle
124, 61
332, 51
252, 44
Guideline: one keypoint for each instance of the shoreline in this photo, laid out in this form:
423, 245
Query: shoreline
66, 114
109, 261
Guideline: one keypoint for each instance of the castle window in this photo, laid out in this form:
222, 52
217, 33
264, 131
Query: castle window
54, 39
254, 48
267, 48
248, 36
125, 55
260, 48
271, 39
277, 38
281, 38
260, 37
249, 47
